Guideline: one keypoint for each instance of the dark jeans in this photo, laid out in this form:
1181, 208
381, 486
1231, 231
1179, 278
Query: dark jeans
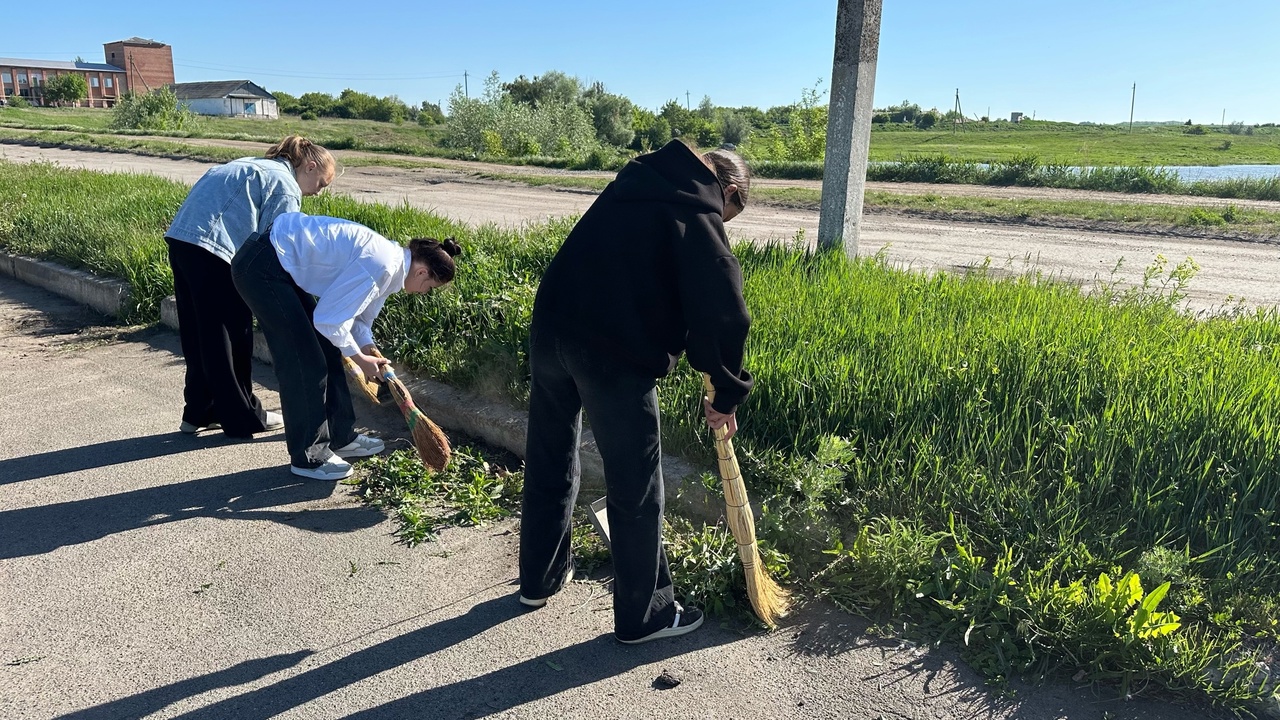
216, 329
314, 397
622, 405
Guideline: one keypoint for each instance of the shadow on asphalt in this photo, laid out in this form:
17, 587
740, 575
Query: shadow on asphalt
234, 496
151, 701
103, 454
494, 692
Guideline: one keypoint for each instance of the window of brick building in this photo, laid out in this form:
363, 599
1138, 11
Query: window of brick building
22, 78
110, 82
35, 79
93, 82
6, 78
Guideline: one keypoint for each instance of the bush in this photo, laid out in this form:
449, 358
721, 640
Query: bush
563, 128
307, 115
18, 101
156, 110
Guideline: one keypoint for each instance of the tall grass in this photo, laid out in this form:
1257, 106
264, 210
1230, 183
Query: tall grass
1029, 171
991, 457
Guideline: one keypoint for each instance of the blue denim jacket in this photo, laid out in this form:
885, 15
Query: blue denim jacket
235, 203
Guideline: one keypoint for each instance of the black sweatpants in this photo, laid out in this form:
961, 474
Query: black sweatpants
622, 405
314, 397
216, 330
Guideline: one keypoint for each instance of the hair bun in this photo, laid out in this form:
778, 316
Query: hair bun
451, 246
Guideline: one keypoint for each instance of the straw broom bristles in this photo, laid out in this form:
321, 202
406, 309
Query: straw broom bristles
768, 599
428, 439
358, 379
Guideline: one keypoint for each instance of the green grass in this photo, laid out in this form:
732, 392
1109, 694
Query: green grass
334, 133
1008, 463
1081, 145
1136, 216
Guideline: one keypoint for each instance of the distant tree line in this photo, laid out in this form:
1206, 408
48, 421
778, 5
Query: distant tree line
561, 116
357, 105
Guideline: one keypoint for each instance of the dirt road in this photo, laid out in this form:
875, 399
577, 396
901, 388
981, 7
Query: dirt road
1229, 269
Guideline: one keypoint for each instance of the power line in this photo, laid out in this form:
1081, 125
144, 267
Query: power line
315, 76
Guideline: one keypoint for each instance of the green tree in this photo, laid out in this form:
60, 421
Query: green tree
494, 124
734, 127
430, 114
706, 109
755, 117
552, 86
287, 103
928, 119
66, 88
316, 103
678, 118
612, 116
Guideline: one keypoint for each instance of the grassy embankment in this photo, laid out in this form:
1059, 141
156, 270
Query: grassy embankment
1056, 480
1208, 216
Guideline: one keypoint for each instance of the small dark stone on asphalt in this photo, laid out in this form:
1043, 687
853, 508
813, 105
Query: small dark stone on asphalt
666, 681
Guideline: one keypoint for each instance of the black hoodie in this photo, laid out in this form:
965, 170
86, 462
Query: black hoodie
647, 273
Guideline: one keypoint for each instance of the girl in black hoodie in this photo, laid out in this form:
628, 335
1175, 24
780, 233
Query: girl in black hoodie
645, 275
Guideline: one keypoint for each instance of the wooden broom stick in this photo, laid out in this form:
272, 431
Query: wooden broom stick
768, 599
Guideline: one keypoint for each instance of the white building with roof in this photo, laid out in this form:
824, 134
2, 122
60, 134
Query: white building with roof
229, 98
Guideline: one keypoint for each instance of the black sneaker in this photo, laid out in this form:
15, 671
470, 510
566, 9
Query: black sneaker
685, 622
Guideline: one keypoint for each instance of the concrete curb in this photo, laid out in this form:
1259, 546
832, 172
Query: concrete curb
109, 297
495, 423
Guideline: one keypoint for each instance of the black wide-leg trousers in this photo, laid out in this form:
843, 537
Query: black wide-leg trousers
622, 406
314, 396
215, 327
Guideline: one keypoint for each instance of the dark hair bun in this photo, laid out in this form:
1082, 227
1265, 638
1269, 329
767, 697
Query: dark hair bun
451, 246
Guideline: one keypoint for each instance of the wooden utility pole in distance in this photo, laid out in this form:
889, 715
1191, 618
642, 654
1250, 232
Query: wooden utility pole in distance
955, 121
1132, 100
466, 90
853, 85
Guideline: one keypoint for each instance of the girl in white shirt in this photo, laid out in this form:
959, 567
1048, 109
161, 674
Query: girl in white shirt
316, 284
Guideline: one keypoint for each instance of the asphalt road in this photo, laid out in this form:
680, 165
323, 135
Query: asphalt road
146, 573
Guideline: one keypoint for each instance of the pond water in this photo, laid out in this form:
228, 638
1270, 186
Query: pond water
1192, 173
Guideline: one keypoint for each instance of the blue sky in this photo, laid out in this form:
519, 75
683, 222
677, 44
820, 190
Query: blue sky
1072, 61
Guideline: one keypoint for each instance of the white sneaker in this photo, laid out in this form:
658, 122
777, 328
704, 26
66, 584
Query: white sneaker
362, 446
192, 429
274, 421
335, 468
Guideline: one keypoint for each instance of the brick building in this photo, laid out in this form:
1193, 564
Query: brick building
135, 64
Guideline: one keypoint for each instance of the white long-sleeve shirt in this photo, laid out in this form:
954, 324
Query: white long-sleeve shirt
348, 267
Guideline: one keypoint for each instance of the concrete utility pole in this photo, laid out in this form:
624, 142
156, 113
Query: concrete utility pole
1132, 99
853, 84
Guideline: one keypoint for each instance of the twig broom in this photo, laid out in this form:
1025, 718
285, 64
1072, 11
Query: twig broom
768, 599
358, 379
428, 439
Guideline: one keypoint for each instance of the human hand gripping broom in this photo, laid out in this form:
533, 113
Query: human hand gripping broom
768, 599
428, 439
369, 387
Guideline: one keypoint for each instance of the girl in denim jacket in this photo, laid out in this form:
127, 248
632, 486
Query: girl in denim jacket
230, 205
